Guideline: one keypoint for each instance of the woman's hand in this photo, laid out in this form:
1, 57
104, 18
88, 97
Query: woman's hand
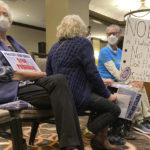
108, 82
22, 75
113, 98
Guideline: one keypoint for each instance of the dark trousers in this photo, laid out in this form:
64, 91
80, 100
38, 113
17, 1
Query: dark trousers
104, 112
52, 92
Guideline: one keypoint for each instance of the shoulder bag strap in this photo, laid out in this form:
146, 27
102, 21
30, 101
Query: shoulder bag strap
58, 48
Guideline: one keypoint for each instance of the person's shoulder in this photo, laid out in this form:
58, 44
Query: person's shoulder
104, 50
54, 46
120, 51
82, 40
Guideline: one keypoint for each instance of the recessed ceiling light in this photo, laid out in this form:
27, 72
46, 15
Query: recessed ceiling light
27, 15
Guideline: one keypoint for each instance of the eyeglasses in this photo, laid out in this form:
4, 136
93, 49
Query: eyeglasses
4, 14
113, 33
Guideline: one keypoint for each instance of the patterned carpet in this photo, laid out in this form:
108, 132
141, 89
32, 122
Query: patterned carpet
46, 139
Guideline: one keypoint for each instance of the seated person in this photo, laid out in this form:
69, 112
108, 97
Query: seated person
43, 92
73, 57
109, 68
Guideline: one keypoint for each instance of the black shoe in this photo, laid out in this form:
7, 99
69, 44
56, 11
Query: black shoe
146, 123
116, 139
127, 132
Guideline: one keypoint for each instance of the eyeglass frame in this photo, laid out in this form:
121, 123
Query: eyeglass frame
113, 33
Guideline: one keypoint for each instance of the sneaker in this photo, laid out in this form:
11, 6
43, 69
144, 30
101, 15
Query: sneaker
147, 123
116, 140
142, 127
129, 135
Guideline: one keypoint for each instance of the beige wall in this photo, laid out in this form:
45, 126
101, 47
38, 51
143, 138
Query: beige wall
57, 9
28, 37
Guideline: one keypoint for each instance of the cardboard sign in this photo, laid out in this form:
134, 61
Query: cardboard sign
135, 63
128, 101
21, 61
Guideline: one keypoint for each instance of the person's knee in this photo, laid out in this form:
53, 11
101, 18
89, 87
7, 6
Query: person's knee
60, 79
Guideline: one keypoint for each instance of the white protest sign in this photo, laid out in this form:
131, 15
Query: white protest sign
128, 101
135, 62
20, 61
123, 103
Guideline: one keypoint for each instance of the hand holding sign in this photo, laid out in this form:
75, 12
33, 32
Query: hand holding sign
22, 75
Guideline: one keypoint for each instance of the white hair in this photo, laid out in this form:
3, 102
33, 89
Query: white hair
5, 5
114, 26
71, 26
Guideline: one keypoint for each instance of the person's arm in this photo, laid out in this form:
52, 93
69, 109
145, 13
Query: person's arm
86, 58
48, 65
6, 73
21, 75
49, 70
112, 69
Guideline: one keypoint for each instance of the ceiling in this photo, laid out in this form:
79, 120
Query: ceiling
32, 12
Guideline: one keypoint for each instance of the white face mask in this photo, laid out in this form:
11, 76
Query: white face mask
112, 39
4, 23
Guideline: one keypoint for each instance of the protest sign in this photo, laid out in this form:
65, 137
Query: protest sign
123, 103
128, 101
135, 63
20, 61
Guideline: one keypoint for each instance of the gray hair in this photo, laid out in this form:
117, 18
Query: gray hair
71, 26
5, 5
114, 26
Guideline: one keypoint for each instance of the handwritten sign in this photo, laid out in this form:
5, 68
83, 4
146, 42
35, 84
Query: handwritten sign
20, 61
135, 63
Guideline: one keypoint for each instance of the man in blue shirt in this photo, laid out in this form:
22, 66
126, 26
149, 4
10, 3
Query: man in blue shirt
110, 56
109, 68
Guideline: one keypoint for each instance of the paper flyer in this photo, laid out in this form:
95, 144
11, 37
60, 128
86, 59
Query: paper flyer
130, 100
21, 61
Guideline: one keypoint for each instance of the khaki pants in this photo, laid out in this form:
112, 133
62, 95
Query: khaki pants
143, 109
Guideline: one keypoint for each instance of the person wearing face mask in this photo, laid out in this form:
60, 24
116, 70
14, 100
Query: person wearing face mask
43, 92
109, 67
110, 56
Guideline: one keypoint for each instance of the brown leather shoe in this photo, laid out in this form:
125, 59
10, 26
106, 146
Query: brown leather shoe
101, 141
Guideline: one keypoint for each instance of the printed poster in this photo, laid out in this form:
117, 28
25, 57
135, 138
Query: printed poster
21, 61
128, 101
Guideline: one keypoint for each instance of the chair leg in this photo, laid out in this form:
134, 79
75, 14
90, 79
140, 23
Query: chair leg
34, 129
17, 137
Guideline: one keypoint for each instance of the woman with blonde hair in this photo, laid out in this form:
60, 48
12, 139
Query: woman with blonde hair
73, 57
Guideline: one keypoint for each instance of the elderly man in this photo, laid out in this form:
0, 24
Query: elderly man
109, 68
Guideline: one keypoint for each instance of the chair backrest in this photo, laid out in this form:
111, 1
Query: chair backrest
40, 60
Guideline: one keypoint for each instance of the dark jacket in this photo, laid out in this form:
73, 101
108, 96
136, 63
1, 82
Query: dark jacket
8, 88
75, 59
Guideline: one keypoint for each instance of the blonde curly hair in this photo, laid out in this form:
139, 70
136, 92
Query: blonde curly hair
70, 27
